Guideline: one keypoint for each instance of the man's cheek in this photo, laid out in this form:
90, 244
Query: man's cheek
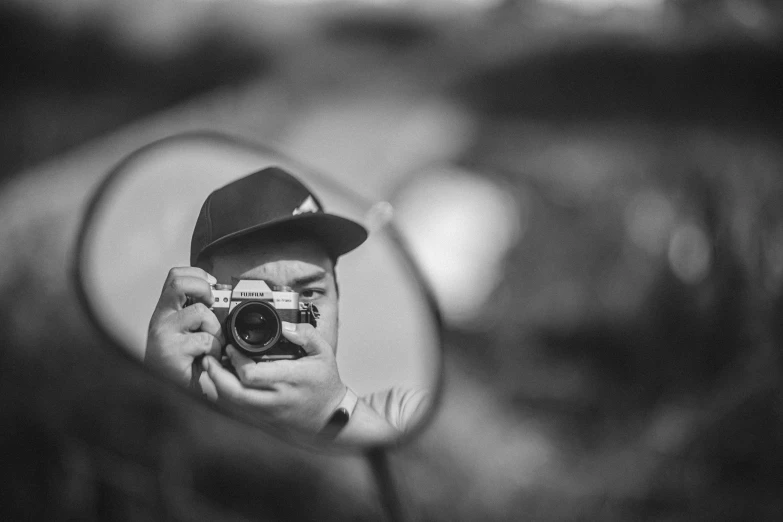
327, 326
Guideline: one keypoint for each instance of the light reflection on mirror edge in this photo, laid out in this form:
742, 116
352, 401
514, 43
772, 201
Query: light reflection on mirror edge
92, 211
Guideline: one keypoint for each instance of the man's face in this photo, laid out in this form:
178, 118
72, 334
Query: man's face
302, 265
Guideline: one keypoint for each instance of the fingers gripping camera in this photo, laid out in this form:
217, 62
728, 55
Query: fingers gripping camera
251, 314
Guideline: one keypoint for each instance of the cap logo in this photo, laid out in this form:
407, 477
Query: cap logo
308, 206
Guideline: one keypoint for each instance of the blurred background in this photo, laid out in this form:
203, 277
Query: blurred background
592, 187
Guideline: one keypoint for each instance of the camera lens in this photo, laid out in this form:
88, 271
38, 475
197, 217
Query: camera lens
255, 326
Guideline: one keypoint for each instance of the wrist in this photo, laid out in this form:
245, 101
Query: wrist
340, 415
367, 427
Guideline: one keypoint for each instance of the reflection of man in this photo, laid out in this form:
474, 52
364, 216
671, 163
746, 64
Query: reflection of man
268, 226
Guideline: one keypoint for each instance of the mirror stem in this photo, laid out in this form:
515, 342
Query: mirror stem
387, 488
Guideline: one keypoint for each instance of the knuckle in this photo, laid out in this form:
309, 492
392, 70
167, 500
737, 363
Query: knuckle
177, 271
175, 284
186, 315
156, 331
304, 329
244, 374
155, 320
159, 326
211, 319
199, 308
220, 332
205, 339
174, 273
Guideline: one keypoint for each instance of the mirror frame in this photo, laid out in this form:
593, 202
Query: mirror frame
80, 274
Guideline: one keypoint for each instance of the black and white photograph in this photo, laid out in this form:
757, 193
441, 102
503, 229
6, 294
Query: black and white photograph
402, 260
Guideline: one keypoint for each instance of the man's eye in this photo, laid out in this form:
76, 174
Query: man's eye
311, 293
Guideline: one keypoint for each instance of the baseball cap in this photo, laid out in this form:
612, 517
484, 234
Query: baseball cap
273, 201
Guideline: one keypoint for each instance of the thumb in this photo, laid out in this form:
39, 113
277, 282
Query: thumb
306, 336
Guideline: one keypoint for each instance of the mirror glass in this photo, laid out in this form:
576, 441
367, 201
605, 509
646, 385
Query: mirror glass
140, 226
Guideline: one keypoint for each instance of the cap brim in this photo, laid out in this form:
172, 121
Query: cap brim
337, 234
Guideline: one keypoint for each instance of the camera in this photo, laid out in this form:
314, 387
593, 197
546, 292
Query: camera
252, 313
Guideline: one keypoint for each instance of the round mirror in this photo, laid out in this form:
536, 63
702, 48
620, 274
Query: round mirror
253, 325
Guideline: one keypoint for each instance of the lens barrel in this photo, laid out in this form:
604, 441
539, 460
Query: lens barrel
254, 326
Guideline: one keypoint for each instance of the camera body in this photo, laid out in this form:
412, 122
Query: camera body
252, 313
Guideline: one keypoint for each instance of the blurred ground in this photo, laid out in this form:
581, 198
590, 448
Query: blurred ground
628, 366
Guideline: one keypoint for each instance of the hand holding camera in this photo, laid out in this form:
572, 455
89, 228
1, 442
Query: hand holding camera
262, 325
196, 316
182, 326
299, 394
239, 330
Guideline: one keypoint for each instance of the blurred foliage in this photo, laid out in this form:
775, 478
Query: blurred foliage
66, 85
